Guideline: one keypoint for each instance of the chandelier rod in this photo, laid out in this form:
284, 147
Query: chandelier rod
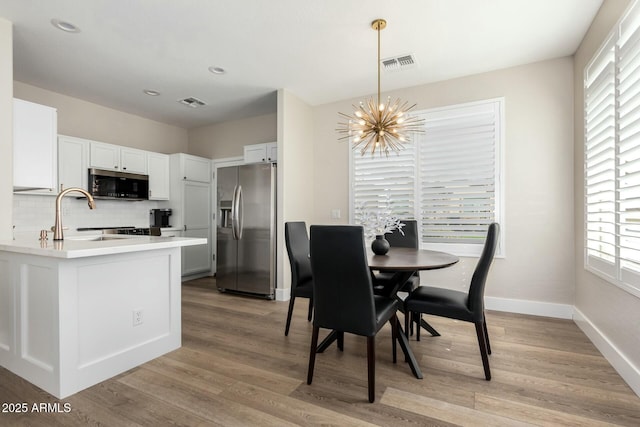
379, 25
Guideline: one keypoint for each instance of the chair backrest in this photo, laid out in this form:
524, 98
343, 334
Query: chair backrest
475, 301
342, 288
407, 240
297, 242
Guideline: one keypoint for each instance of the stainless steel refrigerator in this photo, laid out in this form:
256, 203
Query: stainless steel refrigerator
246, 229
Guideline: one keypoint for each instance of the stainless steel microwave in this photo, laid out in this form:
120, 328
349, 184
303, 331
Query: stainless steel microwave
106, 184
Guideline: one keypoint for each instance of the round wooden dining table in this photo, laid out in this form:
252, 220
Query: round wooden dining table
411, 259
403, 262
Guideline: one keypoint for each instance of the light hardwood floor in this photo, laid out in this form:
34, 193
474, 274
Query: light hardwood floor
236, 368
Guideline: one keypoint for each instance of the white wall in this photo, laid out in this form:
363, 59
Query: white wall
609, 315
296, 163
6, 128
227, 139
92, 121
538, 267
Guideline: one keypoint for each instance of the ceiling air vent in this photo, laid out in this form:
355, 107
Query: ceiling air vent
192, 102
398, 63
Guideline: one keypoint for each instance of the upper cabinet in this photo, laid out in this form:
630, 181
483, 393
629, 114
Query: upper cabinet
35, 129
159, 183
193, 168
261, 153
73, 156
117, 158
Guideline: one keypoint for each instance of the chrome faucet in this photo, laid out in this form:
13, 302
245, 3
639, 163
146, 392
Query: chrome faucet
57, 228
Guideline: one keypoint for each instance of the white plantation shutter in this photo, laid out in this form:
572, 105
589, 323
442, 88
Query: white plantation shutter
378, 179
448, 178
458, 173
612, 157
600, 161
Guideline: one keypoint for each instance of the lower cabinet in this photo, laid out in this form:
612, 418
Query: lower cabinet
197, 208
196, 259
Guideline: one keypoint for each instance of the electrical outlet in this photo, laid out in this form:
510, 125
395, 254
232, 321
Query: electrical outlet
137, 317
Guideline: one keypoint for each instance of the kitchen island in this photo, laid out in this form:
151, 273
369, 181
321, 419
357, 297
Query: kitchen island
76, 312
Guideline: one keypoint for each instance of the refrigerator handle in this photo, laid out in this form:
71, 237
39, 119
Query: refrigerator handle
240, 213
234, 214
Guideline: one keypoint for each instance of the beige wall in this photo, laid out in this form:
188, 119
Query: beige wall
611, 313
538, 266
92, 121
6, 128
296, 163
226, 139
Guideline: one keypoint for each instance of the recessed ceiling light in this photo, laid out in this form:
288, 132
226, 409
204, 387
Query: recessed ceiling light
65, 26
217, 70
151, 92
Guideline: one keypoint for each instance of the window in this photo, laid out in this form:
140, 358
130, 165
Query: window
612, 157
449, 178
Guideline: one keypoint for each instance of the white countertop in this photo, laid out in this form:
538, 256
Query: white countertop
83, 246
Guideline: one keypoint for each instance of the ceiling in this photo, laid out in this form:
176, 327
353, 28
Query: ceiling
321, 51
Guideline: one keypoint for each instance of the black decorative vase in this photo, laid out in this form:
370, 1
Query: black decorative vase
380, 245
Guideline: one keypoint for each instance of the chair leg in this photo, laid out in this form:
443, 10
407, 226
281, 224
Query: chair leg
483, 349
310, 309
312, 353
394, 336
408, 321
428, 328
286, 328
486, 336
341, 341
410, 331
417, 317
371, 367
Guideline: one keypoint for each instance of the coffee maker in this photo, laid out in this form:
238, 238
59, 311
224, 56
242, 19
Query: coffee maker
160, 218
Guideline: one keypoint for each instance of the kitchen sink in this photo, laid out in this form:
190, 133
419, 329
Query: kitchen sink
95, 238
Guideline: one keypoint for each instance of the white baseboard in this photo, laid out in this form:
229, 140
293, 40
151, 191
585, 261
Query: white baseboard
536, 308
283, 294
627, 370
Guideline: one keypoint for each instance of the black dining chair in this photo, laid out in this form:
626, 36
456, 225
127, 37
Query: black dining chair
343, 293
465, 306
407, 238
297, 242
384, 281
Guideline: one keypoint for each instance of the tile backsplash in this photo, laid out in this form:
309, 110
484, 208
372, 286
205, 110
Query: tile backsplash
32, 213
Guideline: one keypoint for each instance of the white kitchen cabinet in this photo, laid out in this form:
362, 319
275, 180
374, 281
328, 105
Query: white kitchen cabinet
193, 168
35, 157
73, 154
104, 156
159, 176
191, 205
272, 152
260, 153
117, 158
133, 160
197, 208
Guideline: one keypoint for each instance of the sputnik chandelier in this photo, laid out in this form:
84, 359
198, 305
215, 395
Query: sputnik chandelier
381, 127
